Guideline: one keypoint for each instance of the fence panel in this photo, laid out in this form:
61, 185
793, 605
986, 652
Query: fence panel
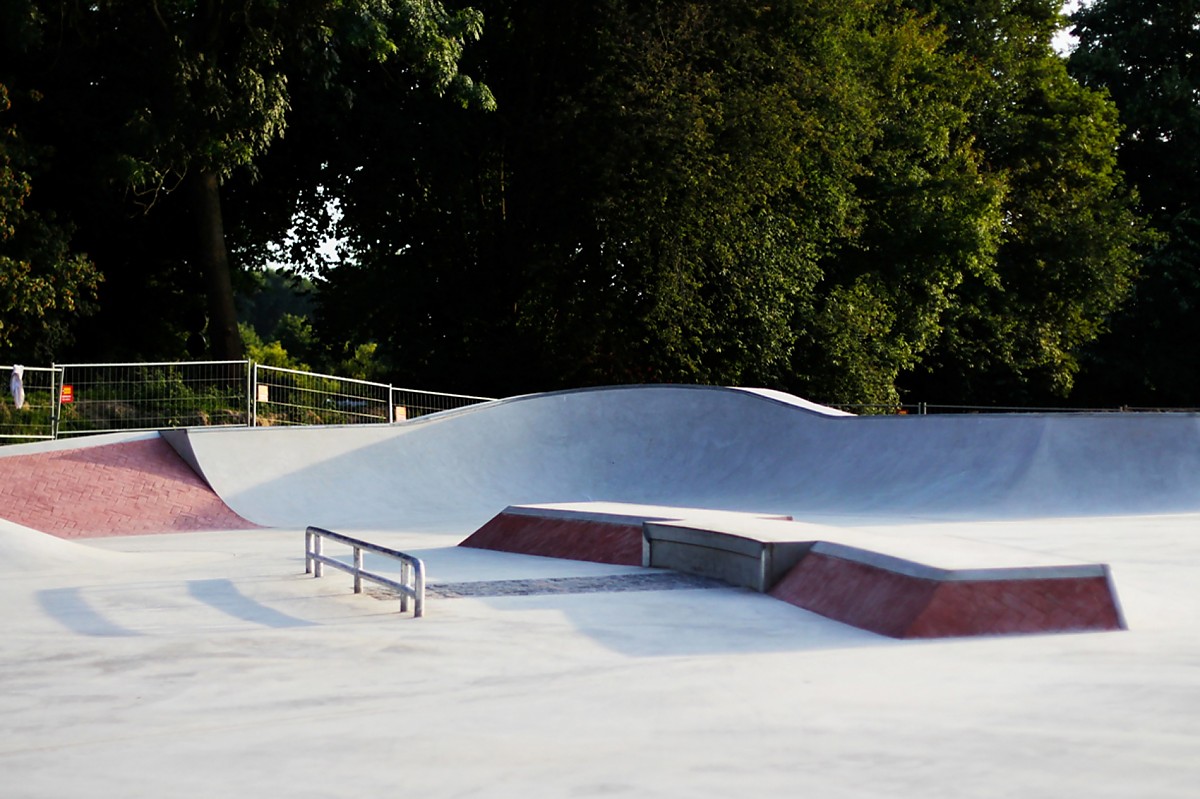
291, 397
410, 403
111, 397
34, 420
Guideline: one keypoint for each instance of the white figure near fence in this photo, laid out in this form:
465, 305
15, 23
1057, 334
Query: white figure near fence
16, 386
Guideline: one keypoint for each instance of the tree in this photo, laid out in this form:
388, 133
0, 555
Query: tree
714, 151
927, 216
1066, 253
1143, 55
43, 283
840, 198
655, 198
205, 92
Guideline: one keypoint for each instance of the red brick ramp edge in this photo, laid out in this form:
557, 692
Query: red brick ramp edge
902, 599
126, 488
611, 533
562, 534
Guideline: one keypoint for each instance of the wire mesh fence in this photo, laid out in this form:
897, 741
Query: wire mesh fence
291, 397
27, 410
408, 403
77, 398
111, 397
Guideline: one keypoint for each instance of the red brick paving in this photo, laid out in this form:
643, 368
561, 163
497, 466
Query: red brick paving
129, 488
1018, 606
854, 593
557, 537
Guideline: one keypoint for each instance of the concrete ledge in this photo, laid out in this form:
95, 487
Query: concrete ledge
736, 559
914, 584
603, 532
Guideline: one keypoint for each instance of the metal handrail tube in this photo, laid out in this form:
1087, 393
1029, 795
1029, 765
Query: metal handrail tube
412, 569
147, 363
302, 373
442, 394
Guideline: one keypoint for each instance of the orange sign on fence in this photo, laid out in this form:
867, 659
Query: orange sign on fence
67, 395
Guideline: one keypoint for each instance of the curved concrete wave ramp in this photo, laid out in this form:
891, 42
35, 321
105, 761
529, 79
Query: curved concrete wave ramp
702, 447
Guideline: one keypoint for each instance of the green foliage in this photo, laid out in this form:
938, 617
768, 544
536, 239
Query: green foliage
217, 76
294, 342
145, 100
269, 296
34, 420
702, 223
1066, 234
43, 284
1143, 56
843, 199
362, 363
270, 353
851, 200
926, 216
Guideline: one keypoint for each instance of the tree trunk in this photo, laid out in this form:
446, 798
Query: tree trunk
225, 341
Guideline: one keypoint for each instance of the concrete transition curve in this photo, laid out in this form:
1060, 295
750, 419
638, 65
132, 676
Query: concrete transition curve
702, 447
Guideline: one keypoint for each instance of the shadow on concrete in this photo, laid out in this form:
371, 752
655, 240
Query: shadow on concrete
634, 611
69, 608
680, 623
224, 596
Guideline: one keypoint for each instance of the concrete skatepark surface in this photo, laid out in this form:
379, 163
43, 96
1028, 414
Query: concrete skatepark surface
204, 662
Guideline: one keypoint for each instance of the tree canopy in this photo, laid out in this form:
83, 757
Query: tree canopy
857, 200
843, 199
44, 284
1144, 56
152, 106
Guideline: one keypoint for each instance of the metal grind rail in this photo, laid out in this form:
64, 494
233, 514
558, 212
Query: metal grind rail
412, 570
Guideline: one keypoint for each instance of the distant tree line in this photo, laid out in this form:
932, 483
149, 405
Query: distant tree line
859, 201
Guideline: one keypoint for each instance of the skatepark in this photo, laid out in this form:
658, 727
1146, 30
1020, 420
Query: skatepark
161, 636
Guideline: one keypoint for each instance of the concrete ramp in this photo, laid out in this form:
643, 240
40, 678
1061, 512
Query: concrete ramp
26, 550
702, 447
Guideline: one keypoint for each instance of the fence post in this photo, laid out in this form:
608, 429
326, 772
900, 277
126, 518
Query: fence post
56, 390
249, 393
